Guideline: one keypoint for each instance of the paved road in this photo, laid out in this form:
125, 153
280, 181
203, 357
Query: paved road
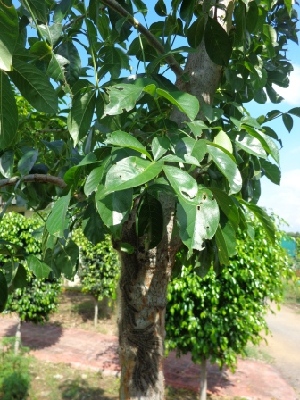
284, 344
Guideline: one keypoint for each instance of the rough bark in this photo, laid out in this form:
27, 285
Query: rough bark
144, 278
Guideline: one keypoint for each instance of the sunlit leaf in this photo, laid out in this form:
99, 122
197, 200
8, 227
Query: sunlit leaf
9, 32
57, 220
8, 113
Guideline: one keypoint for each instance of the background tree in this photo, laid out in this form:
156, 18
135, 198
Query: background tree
214, 315
157, 164
98, 269
37, 297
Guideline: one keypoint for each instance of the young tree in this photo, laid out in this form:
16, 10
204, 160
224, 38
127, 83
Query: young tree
37, 297
98, 269
166, 157
221, 312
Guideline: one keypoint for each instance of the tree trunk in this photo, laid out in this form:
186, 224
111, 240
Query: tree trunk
17, 344
96, 310
203, 379
144, 278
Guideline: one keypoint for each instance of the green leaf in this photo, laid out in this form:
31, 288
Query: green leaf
34, 86
72, 69
70, 175
150, 221
92, 224
217, 42
160, 145
51, 33
55, 68
185, 150
182, 182
61, 9
129, 173
222, 139
66, 259
288, 121
3, 289
195, 32
114, 209
7, 163
27, 161
141, 6
271, 171
57, 220
222, 247
183, 101
198, 219
289, 6
186, 10
227, 205
20, 278
160, 8
227, 167
37, 8
122, 97
124, 139
81, 115
252, 16
268, 144
295, 111
263, 217
93, 179
251, 145
8, 114
9, 32
197, 127
39, 268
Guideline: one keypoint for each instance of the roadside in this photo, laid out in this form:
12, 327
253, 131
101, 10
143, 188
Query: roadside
284, 344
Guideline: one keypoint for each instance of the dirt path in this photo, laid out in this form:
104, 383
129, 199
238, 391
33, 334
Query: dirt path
284, 344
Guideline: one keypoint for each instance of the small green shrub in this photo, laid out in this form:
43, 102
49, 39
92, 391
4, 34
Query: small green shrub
39, 298
14, 373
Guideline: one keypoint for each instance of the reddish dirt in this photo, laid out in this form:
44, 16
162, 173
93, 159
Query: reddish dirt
91, 350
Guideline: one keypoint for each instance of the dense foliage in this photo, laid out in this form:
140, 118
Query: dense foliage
216, 315
38, 298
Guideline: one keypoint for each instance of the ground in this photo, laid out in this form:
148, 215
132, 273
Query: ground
90, 362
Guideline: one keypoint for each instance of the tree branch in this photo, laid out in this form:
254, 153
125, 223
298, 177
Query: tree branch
41, 178
152, 40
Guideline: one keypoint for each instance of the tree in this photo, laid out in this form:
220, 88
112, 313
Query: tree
98, 269
37, 297
221, 312
157, 164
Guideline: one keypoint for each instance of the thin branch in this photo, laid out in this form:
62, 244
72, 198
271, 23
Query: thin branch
152, 40
40, 178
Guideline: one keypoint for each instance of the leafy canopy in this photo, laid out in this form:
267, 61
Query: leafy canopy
105, 139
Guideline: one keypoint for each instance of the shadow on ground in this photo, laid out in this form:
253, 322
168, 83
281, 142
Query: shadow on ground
77, 390
37, 336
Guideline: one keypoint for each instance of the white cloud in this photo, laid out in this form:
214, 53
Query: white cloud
284, 200
291, 94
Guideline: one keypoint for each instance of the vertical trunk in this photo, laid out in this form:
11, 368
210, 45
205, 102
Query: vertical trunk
144, 278
96, 310
18, 337
203, 379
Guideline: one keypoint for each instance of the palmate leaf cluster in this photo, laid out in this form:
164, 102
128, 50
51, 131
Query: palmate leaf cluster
111, 141
214, 316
